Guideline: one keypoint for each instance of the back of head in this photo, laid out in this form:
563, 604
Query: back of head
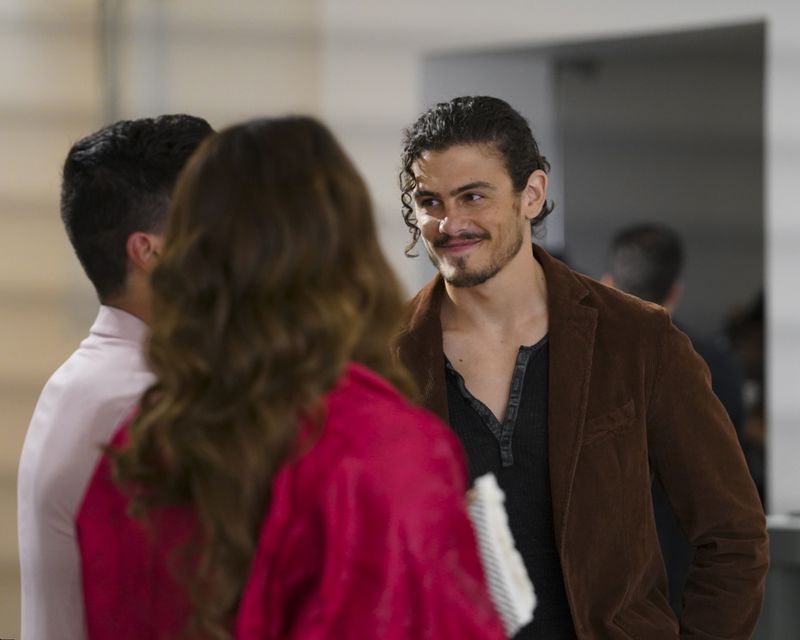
119, 180
272, 234
646, 261
270, 281
471, 120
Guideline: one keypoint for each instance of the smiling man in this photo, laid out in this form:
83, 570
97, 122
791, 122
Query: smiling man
573, 395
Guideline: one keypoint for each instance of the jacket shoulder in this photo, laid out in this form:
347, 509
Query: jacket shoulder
613, 303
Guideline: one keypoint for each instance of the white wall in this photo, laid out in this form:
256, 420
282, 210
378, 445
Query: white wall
371, 90
223, 61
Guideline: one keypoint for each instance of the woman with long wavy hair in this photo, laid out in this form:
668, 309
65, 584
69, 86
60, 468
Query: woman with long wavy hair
276, 482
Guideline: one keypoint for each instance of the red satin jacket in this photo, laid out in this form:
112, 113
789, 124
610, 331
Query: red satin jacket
366, 536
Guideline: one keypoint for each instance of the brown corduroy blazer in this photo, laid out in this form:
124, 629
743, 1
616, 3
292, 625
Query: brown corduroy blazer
629, 398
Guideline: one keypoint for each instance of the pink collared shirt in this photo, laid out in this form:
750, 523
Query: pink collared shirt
366, 536
78, 411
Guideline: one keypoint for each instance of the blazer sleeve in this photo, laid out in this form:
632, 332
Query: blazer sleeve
695, 453
400, 560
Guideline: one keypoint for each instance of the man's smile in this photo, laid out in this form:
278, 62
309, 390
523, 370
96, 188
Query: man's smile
459, 245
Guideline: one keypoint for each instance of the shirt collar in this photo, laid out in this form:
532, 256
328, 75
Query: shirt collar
116, 323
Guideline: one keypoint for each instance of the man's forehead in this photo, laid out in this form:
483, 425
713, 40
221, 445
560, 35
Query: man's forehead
473, 149
457, 162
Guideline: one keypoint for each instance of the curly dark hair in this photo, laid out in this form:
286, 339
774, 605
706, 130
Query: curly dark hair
471, 120
119, 180
262, 295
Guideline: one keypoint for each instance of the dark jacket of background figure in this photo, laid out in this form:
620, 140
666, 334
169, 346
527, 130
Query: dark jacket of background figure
629, 398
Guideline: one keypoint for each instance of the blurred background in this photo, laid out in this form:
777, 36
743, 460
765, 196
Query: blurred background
684, 113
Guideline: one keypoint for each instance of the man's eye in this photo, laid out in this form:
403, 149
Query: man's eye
472, 197
429, 203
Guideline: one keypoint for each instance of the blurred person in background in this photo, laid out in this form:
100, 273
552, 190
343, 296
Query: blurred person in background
116, 190
646, 260
573, 394
745, 330
281, 484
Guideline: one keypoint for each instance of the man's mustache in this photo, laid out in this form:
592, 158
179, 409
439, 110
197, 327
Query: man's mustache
445, 239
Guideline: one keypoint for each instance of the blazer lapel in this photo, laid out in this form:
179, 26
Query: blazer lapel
572, 328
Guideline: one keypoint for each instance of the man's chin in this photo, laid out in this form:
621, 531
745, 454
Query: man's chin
467, 279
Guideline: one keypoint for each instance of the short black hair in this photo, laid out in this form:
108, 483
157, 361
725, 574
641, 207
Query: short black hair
471, 120
646, 260
119, 180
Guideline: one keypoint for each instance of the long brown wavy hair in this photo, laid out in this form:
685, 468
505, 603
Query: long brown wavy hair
271, 280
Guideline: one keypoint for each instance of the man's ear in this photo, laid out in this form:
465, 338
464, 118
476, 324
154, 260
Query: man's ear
143, 249
674, 296
534, 194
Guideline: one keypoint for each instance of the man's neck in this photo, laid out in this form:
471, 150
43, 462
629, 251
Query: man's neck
513, 298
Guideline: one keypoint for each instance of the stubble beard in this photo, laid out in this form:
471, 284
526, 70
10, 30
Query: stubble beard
461, 278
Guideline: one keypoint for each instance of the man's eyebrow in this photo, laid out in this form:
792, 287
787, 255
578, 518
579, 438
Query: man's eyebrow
478, 184
421, 193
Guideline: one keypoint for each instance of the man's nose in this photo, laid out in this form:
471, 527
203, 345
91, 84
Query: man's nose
453, 223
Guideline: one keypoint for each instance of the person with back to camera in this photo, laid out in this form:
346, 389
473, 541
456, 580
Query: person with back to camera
574, 395
280, 483
115, 195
